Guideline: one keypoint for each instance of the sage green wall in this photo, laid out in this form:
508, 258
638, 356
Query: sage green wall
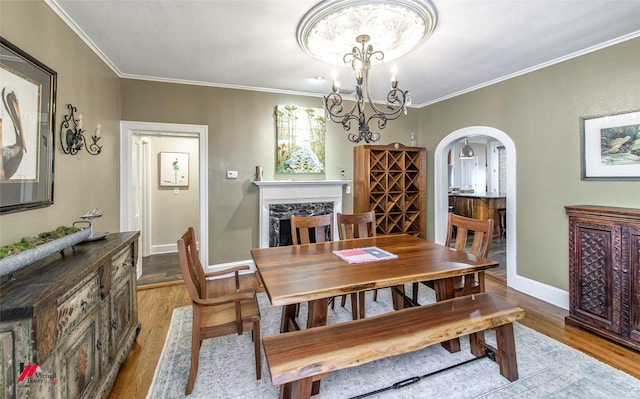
82, 182
241, 136
540, 111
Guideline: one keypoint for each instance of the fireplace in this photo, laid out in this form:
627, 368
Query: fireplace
281, 199
280, 217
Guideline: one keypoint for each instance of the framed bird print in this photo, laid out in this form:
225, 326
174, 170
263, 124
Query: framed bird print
611, 146
27, 120
174, 169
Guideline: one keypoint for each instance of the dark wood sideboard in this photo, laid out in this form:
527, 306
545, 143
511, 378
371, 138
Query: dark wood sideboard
74, 315
604, 272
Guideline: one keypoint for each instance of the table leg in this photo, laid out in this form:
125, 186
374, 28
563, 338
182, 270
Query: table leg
288, 322
317, 317
317, 312
445, 290
397, 297
297, 389
400, 298
476, 343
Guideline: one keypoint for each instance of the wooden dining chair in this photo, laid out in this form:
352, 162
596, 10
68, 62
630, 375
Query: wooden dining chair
221, 306
357, 225
306, 230
465, 228
309, 229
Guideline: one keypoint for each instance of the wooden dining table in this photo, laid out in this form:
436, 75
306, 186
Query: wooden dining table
313, 273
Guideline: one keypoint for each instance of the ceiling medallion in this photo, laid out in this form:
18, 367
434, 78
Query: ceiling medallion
396, 27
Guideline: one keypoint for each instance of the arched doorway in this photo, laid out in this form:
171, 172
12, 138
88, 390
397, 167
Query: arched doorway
441, 186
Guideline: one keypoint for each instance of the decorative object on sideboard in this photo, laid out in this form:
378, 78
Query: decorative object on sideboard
395, 26
27, 108
72, 135
35, 251
89, 216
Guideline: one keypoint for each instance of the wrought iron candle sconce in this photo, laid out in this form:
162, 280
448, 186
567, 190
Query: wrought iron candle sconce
71, 134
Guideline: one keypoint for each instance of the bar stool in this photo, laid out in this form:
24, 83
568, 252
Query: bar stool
502, 212
452, 210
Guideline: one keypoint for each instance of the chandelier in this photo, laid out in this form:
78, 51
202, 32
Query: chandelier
397, 26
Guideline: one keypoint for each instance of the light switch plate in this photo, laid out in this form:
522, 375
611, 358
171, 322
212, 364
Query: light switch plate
232, 174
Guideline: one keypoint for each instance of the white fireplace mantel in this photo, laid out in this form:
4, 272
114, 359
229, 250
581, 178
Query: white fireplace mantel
291, 191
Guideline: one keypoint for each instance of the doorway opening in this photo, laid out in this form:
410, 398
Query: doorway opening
134, 155
442, 173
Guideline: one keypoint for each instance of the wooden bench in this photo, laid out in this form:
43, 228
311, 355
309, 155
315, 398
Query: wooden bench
299, 358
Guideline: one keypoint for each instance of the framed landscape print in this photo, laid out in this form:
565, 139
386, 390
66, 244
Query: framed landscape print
27, 120
174, 169
611, 146
300, 139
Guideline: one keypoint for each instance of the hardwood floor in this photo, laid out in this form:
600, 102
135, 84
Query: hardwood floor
161, 268
498, 252
155, 306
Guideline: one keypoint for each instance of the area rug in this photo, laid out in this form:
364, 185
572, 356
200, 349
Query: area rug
547, 368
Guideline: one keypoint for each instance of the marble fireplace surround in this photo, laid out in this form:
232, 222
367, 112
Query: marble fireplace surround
310, 192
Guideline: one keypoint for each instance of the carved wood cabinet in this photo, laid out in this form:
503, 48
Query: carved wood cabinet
391, 180
604, 272
68, 322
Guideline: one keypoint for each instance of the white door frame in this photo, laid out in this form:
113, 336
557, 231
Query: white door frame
145, 249
493, 185
127, 130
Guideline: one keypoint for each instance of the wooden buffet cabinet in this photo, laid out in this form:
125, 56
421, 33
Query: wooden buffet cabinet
391, 180
73, 315
604, 272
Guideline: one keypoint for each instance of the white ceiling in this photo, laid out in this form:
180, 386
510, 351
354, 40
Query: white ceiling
251, 44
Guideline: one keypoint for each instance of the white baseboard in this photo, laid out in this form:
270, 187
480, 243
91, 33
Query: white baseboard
164, 249
536, 289
220, 266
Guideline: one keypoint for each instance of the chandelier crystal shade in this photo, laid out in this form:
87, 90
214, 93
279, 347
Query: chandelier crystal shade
394, 27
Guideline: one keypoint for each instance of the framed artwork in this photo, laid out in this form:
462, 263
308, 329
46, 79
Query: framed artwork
174, 169
27, 120
610, 146
300, 139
